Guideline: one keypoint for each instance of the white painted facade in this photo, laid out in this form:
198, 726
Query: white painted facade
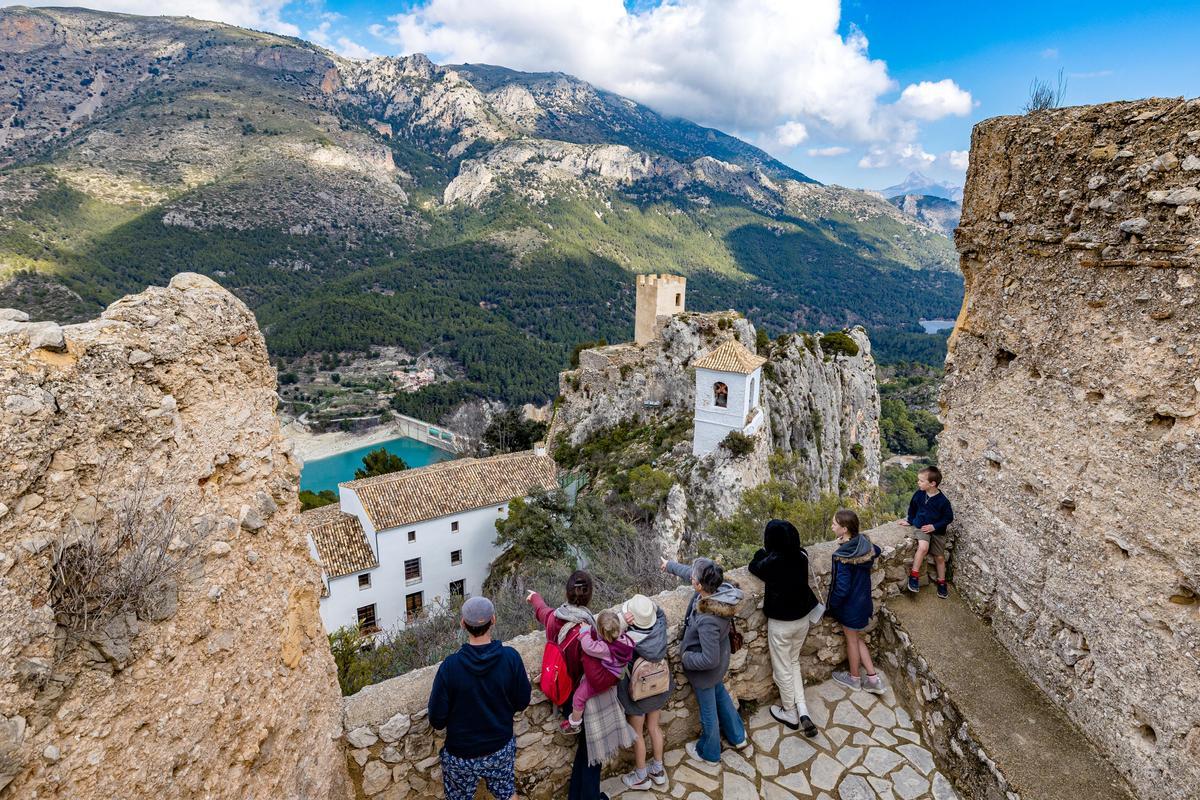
741, 412
434, 542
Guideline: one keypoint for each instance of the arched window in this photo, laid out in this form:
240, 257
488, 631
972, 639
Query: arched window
753, 393
720, 395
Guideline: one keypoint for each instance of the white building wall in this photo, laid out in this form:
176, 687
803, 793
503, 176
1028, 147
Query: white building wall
434, 543
712, 423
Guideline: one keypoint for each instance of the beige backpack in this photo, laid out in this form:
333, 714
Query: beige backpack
648, 678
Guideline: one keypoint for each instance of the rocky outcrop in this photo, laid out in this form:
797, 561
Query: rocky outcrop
822, 411
1072, 420
149, 436
938, 212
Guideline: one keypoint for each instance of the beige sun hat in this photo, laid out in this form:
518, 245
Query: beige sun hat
642, 609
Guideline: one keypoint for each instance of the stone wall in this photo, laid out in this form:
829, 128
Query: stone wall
223, 686
392, 752
1072, 441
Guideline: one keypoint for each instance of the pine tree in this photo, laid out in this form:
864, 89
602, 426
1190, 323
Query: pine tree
380, 462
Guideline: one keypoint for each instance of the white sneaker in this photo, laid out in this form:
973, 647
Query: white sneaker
631, 780
659, 778
786, 716
694, 755
873, 685
847, 680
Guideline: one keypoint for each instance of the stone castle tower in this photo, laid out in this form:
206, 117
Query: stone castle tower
657, 296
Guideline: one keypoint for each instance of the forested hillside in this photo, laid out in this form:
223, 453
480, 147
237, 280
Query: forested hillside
488, 216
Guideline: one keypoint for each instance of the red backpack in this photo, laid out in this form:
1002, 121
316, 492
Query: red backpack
556, 682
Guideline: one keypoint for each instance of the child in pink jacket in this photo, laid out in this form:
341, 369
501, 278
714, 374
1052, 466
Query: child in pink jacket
606, 652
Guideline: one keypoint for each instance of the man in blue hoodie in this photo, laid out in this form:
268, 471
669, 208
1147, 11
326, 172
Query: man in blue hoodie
475, 695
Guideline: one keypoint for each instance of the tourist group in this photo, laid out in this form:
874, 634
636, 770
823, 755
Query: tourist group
609, 672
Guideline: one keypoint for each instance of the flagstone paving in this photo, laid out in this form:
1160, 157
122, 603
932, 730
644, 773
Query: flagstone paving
868, 749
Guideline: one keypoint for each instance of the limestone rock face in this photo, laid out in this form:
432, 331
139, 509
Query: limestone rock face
225, 688
822, 409
1072, 438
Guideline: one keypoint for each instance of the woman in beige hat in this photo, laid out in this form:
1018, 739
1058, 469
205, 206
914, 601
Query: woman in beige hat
647, 626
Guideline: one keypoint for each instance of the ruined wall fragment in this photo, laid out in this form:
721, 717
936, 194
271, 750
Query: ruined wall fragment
223, 686
1072, 439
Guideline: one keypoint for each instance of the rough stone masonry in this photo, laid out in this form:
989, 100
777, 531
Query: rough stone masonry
223, 687
1072, 441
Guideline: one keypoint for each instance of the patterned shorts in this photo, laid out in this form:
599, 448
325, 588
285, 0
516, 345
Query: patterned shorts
460, 776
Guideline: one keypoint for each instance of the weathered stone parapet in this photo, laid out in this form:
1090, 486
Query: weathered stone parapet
392, 752
224, 687
1072, 419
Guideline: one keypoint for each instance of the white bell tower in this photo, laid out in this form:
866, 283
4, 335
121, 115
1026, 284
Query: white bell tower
728, 388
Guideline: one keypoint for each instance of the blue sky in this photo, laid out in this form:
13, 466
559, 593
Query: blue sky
857, 92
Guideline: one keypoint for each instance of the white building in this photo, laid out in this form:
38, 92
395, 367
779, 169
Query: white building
396, 543
728, 388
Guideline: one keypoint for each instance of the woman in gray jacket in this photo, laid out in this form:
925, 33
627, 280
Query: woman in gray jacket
647, 626
704, 650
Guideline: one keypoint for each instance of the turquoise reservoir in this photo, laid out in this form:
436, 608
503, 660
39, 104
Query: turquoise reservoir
327, 473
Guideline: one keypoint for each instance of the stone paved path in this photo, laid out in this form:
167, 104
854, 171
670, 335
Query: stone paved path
1041, 753
868, 749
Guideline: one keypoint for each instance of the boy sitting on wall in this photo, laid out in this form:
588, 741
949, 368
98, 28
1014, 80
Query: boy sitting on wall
929, 512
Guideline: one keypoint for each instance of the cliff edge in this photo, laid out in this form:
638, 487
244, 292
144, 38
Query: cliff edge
158, 605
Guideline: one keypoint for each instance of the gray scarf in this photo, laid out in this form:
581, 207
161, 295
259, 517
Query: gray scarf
854, 547
569, 613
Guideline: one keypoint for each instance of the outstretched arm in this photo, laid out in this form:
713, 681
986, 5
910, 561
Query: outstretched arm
682, 571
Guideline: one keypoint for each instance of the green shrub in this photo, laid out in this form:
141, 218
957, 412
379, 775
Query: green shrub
310, 500
648, 487
762, 342
839, 343
738, 444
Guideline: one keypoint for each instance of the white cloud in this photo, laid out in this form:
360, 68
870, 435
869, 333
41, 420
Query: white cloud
828, 152
258, 14
1050, 53
342, 45
955, 159
928, 100
791, 134
898, 154
769, 68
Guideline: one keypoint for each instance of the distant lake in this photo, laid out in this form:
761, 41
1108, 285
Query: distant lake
935, 325
327, 473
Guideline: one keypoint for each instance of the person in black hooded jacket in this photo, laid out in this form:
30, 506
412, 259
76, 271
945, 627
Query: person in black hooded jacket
782, 565
475, 694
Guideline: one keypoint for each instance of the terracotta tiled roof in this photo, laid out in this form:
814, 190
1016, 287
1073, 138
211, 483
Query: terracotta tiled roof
732, 356
413, 495
341, 543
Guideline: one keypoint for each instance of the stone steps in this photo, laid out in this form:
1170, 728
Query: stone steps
1037, 749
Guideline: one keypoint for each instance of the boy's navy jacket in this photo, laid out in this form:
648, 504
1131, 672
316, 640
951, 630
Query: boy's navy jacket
475, 695
925, 510
850, 587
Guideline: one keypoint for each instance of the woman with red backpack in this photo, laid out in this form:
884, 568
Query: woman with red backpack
562, 669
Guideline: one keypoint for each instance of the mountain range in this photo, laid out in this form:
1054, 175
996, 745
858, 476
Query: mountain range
936, 211
920, 184
491, 216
